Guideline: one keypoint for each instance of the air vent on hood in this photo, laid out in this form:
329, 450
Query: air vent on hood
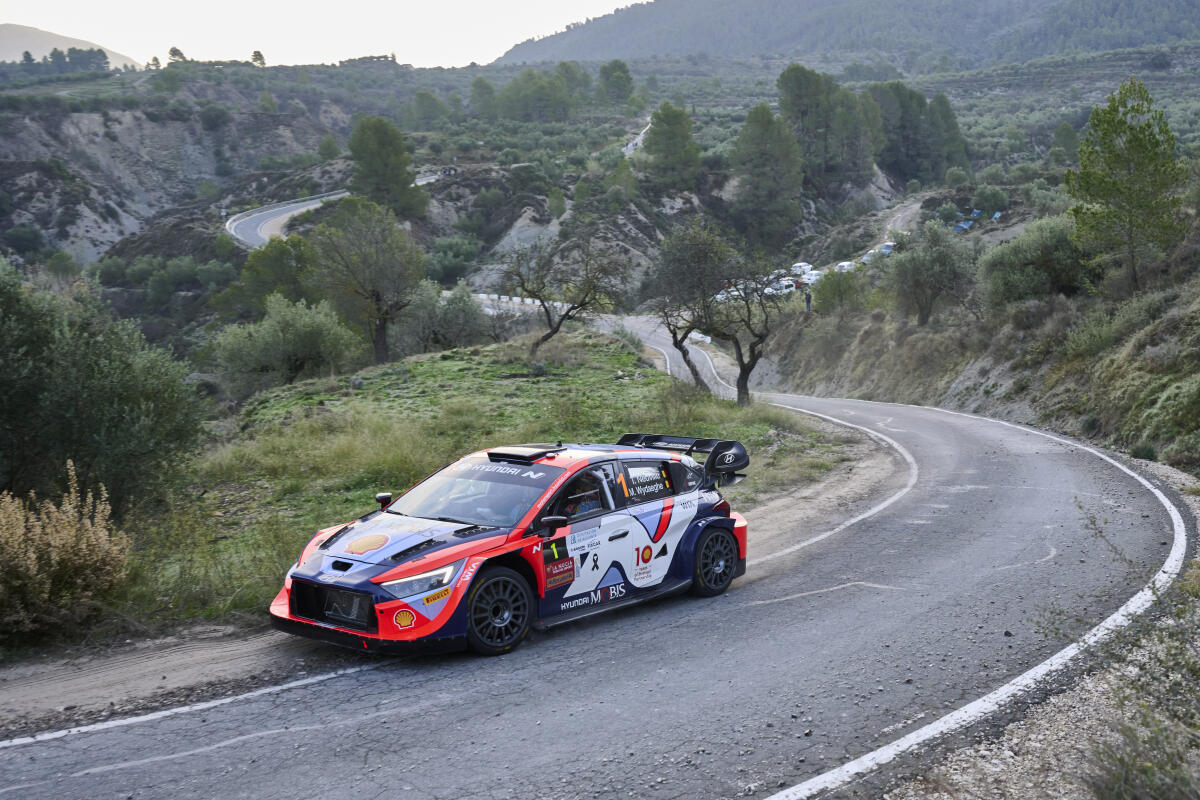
419, 547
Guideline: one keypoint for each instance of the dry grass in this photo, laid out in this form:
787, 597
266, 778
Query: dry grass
59, 559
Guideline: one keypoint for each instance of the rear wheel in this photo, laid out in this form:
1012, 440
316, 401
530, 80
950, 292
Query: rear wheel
499, 611
714, 562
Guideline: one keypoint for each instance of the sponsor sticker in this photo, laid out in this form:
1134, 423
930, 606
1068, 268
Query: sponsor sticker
365, 544
583, 541
404, 618
439, 595
560, 572
468, 573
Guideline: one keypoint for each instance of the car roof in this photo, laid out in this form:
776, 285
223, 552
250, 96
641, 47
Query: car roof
570, 454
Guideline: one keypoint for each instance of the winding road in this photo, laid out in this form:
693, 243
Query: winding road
848, 634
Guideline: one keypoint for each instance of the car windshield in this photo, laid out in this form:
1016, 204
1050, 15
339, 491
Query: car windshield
476, 491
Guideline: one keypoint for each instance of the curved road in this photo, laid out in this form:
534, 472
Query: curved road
837, 641
254, 228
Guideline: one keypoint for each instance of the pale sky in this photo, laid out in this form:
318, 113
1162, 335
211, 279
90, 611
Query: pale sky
447, 33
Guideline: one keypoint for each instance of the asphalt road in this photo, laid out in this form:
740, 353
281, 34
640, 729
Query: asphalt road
255, 228
820, 653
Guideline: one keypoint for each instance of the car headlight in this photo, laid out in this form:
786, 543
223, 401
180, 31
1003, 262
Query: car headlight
425, 582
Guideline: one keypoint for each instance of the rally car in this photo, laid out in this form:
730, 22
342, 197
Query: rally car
513, 538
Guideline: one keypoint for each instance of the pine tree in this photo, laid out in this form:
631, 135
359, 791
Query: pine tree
381, 172
768, 165
669, 142
1128, 182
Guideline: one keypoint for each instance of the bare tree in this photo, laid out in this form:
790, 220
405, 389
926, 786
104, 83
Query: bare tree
703, 285
565, 282
744, 319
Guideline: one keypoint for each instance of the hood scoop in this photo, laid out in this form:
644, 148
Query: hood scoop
416, 549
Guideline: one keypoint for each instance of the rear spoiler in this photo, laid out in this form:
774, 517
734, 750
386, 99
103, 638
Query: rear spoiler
723, 457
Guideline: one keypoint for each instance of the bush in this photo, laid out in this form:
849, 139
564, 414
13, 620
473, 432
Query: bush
451, 257
25, 239
59, 559
990, 199
957, 176
947, 213
1041, 261
293, 340
214, 117
58, 355
992, 175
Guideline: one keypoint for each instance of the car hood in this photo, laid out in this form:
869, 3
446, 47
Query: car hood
392, 539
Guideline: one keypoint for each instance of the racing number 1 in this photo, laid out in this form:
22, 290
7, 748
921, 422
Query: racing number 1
621, 480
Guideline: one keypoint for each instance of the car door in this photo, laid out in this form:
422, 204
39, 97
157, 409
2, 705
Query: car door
649, 488
578, 561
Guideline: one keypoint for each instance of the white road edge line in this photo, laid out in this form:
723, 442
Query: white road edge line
993, 701
170, 712
824, 591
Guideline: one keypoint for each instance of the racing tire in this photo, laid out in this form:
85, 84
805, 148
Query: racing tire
714, 563
499, 611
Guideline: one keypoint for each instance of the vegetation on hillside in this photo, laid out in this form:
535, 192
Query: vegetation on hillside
922, 36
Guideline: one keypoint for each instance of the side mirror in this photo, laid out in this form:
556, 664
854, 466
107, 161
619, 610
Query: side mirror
384, 499
550, 525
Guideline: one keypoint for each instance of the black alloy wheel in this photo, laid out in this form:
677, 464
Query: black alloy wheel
715, 562
499, 611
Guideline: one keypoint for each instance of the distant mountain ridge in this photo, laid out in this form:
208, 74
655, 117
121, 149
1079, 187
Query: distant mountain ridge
16, 39
920, 33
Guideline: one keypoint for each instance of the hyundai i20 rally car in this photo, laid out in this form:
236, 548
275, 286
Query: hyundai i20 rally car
513, 538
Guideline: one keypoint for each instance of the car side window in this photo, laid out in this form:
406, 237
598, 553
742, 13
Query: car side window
648, 480
583, 496
685, 478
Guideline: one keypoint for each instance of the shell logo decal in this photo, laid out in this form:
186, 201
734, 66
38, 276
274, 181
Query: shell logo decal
365, 544
405, 618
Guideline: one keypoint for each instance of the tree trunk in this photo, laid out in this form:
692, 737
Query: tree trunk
743, 385
691, 365
379, 341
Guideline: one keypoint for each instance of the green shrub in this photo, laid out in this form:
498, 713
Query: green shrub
990, 199
60, 559
992, 175
947, 213
293, 340
1143, 450
1042, 260
214, 117
59, 353
957, 176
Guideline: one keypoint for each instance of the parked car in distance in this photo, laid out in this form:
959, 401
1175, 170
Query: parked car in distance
811, 277
866, 259
801, 267
887, 247
844, 266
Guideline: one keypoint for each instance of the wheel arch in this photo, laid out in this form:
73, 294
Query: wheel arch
517, 564
681, 564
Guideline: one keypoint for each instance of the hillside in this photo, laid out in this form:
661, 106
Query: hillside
916, 35
16, 39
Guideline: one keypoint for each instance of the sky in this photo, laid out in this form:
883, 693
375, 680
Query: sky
447, 33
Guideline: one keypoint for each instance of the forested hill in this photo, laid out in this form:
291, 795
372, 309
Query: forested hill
917, 35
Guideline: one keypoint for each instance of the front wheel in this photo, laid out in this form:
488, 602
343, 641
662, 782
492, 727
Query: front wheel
499, 611
715, 562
